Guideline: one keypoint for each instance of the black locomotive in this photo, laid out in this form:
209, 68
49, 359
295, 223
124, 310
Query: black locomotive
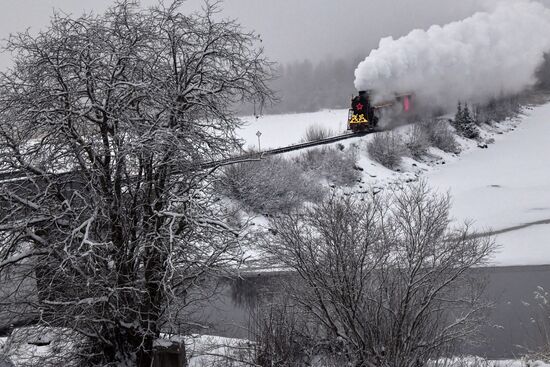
364, 115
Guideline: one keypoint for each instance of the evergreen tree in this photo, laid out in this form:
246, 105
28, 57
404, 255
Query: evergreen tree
470, 130
464, 122
458, 115
466, 116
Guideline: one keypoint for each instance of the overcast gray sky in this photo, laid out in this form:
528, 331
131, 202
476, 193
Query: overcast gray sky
291, 29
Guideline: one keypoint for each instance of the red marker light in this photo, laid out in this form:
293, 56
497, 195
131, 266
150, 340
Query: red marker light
406, 104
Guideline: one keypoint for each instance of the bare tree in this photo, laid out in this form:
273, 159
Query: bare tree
104, 122
388, 278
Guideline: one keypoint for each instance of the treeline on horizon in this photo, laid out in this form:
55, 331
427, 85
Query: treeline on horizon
305, 86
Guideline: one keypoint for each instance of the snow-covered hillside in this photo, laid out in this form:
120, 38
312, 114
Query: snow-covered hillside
501, 188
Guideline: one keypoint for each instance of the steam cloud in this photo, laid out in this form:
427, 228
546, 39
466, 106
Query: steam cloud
483, 56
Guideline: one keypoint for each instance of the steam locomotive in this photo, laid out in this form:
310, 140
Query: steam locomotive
364, 116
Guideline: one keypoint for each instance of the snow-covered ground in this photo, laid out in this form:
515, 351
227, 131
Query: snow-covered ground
212, 351
282, 130
507, 185
202, 351
498, 188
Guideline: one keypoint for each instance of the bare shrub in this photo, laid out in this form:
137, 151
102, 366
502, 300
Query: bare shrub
317, 132
287, 334
497, 109
418, 141
538, 310
387, 277
335, 165
387, 148
440, 135
271, 185
281, 339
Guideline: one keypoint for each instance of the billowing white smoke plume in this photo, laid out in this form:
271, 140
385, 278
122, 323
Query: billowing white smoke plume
483, 56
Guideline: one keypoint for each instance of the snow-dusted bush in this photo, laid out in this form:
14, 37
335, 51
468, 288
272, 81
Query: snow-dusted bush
418, 141
271, 185
497, 109
317, 132
440, 135
387, 148
335, 165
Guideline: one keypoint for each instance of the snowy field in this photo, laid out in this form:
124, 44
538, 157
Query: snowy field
282, 130
499, 188
507, 185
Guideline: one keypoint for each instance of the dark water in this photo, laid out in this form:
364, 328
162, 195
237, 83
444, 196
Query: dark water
517, 323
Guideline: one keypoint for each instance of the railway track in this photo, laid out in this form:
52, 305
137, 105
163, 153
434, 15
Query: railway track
21, 175
289, 148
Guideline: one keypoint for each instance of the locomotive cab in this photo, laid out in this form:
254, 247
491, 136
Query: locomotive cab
361, 115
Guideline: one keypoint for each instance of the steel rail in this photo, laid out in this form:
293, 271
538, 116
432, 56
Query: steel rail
10, 176
289, 148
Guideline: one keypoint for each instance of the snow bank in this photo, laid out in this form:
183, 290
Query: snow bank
474, 59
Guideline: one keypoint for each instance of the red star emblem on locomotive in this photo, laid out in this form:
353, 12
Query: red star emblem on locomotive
359, 106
